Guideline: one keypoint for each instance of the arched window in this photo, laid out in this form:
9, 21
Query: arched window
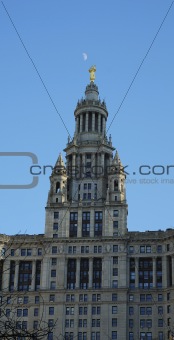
116, 185
57, 187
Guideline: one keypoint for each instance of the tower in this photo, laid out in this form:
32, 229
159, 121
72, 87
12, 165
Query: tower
92, 180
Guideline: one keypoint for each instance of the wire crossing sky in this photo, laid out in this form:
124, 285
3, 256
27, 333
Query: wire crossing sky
56, 39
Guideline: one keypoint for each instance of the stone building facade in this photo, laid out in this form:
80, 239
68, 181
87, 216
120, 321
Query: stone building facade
87, 277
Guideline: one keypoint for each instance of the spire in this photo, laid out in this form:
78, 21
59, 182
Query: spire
60, 162
116, 159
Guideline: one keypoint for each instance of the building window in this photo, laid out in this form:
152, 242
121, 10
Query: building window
131, 249
25, 312
114, 322
96, 310
149, 323
160, 297
84, 249
70, 297
50, 323
115, 248
37, 299
54, 250
52, 298
131, 336
115, 272
73, 224
53, 261
97, 249
168, 309
53, 285
131, 310
83, 297
131, 323
50, 336
114, 309
71, 273
25, 275
69, 310
115, 213
56, 215
160, 336
85, 224
82, 336
145, 273
96, 297
115, 224
131, 297
98, 223
83, 310
95, 322
72, 250
25, 300
142, 249
84, 273
114, 297
168, 296
23, 252
55, 226
36, 311
148, 249
12, 252
114, 335
115, 260
53, 273
97, 273
39, 251
51, 310
159, 248
115, 283
35, 324
160, 322
160, 310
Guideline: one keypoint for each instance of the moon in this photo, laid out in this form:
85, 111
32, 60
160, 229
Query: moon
85, 56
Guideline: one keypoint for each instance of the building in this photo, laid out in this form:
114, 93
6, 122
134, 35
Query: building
87, 277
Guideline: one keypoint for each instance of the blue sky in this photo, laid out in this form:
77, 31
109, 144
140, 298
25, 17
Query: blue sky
116, 36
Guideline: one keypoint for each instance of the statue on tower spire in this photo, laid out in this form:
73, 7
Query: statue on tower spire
92, 71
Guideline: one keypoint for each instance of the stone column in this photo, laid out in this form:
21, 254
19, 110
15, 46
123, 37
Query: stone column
16, 275
90, 271
79, 222
64, 279
106, 272
164, 271
99, 123
93, 121
136, 272
77, 125
103, 160
92, 223
81, 122
33, 275
104, 125
6, 275
83, 165
154, 272
73, 162
44, 275
77, 272
86, 122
